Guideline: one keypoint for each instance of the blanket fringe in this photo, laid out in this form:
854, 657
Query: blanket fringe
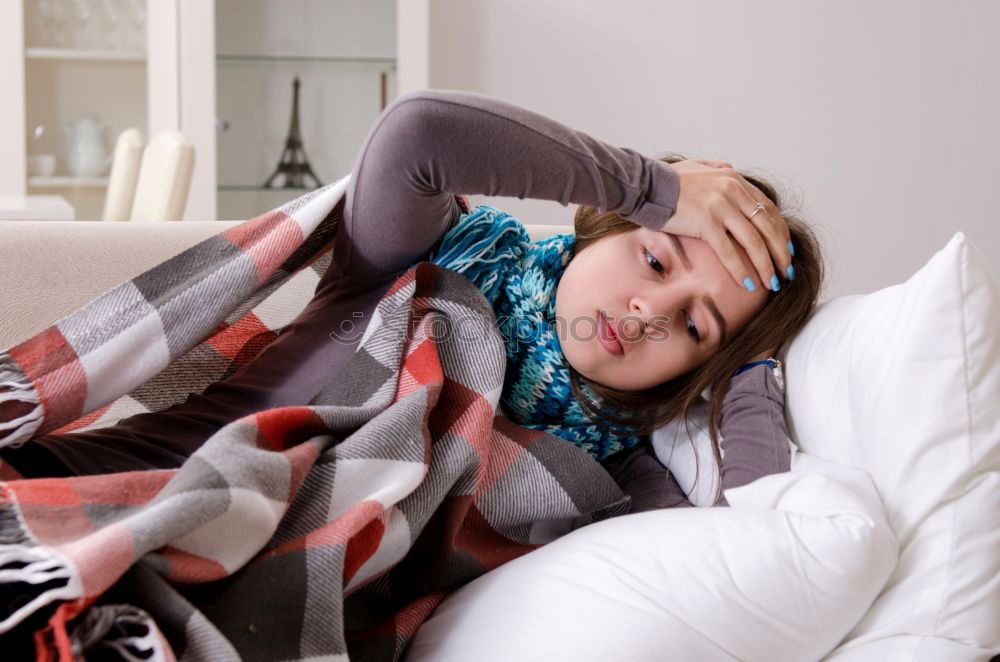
28, 571
136, 637
39, 568
15, 386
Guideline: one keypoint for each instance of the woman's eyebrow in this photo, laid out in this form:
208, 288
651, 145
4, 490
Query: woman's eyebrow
679, 247
708, 301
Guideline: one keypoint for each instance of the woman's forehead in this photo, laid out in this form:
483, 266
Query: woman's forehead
700, 250
729, 296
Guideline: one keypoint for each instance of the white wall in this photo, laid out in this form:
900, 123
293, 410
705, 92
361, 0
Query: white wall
879, 118
412, 45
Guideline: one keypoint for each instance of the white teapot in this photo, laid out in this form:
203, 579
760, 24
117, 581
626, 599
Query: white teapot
86, 155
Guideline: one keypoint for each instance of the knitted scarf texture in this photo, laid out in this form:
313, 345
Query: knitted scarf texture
519, 277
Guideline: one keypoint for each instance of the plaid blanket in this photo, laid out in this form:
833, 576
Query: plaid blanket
317, 531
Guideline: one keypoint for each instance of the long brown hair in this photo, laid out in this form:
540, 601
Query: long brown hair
784, 313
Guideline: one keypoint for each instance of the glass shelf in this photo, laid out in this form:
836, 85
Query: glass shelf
91, 54
68, 181
306, 58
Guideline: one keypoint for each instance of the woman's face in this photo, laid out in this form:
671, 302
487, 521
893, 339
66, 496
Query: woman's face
639, 282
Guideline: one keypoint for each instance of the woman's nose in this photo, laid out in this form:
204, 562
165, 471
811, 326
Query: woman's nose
641, 311
647, 309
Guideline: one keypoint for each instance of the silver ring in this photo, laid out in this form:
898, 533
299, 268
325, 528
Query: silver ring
756, 209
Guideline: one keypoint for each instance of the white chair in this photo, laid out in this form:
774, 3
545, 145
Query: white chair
124, 175
164, 178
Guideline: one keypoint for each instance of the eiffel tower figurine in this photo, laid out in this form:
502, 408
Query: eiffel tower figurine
294, 165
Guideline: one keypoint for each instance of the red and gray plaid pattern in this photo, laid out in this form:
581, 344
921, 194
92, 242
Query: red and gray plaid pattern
323, 531
206, 298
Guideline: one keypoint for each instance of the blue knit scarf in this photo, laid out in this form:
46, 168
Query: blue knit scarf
493, 250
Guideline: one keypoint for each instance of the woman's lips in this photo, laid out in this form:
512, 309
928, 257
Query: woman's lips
606, 336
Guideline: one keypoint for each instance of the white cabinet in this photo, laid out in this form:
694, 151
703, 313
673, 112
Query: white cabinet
219, 71
344, 55
60, 61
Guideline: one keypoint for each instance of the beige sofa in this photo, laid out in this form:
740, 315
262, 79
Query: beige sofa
48, 269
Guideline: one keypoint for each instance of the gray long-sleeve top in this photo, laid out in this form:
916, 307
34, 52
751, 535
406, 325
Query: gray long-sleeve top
479, 144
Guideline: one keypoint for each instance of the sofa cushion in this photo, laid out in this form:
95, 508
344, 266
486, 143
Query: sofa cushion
49, 269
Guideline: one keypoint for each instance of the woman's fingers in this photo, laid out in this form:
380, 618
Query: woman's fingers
771, 228
753, 242
722, 243
714, 164
717, 205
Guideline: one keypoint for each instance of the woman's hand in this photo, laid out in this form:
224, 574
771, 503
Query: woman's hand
715, 202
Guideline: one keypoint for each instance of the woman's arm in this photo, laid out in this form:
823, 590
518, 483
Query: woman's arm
755, 444
754, 433
639, 474
429, 145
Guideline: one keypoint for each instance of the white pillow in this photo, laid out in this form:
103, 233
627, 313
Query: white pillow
689, 456
905, 384
783, 574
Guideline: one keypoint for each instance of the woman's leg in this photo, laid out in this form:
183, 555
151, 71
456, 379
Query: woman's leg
392, 217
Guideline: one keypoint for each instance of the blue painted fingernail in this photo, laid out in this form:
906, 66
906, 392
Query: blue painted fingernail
791, 272
774, 283
791, 247
749, 284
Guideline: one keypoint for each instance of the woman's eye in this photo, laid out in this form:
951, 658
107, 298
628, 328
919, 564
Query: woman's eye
693, 330
658, 267
655, 265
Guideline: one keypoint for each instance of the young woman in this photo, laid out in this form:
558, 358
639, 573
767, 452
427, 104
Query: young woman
688, 262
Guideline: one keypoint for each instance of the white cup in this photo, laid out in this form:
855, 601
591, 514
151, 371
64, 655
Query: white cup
41, 165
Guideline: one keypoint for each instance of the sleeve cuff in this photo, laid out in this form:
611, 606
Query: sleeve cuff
758, 379
660, 201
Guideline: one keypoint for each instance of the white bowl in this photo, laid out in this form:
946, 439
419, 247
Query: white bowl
41, 165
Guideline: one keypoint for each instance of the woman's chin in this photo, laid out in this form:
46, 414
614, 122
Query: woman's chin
615, 382
624, 382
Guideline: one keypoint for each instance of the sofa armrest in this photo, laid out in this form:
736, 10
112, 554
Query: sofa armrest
49, 269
